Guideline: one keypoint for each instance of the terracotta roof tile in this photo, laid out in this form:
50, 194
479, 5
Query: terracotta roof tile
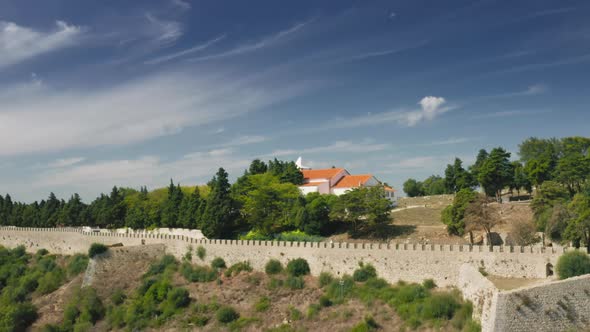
310, 174
352, 181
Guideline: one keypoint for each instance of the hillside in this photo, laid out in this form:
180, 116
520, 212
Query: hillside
140, 288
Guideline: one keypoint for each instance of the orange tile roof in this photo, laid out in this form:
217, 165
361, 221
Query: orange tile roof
387, 188
352, 181
320, 173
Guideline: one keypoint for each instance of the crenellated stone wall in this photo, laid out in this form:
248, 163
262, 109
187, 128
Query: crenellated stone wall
409, 262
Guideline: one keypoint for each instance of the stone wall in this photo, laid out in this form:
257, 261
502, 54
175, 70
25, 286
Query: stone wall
394, 262
481, 292
559, 306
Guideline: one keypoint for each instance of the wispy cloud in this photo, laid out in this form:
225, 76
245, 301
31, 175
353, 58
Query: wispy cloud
336, 147
195, 49
430, 108
548, 12
392, 51
165, 31
510, 113
253, 46
245, 140
182, 4
532, 90
449, 141
543, 65
91, 178
66, 162
153, 106
18, 43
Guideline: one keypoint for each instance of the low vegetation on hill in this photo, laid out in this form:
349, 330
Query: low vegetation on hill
24, 276
182, 295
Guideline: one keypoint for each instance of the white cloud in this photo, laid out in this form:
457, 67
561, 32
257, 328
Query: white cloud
415, 162
184, 5
91, 179
18, 43
245, 140
253, 46
338, 146
431, 107
66, 162
191, 50
386, 52
165, 31
134, 111
449, 141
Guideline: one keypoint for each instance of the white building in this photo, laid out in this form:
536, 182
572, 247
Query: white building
337, 181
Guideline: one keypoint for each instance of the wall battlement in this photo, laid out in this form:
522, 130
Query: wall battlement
393, 261
294, 244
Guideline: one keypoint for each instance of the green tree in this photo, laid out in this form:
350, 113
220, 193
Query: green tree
457, 178
171, 206
318, 209
366, 209
269, 204
482, 156
257, 167
220, 215
287, 171
191, 209
496, 173
540, 158
578, 229
413, 188
453, 215
520, 179
434, 185
572, 170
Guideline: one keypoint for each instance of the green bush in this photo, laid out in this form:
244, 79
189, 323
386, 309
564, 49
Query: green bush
573, 263
51, 281
313, 310
295, 282
298, 267
97, 249
237, 268
81, 313
364, 272
298, 236
429, 284
118, 297
197, 273
178, 298
325, 279
275, 283
218, 263
368, 324
167, 261
41, 252
201, 252
325, 301
273, 266
227, 315
77, 264
263, 304
295, 314
440, 306
256, 236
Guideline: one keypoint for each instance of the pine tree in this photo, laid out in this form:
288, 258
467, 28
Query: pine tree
190, 210
220, 216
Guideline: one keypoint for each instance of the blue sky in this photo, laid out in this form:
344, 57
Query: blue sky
98, 93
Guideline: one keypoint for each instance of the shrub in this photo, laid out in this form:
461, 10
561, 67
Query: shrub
227, 315
77, 264
440, 306
201, 252
118, 297
295, 282
429, 284
325, 301
263, 304
298, 267
199, 320
237, 268
218, 263
273, 266
41, 252
178, 298
197, 273
325, 279
573, 263
159, 267
364, 272
255, 235
275, 283
50, 281
298, 236
294, 314
96, 249
313, 310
